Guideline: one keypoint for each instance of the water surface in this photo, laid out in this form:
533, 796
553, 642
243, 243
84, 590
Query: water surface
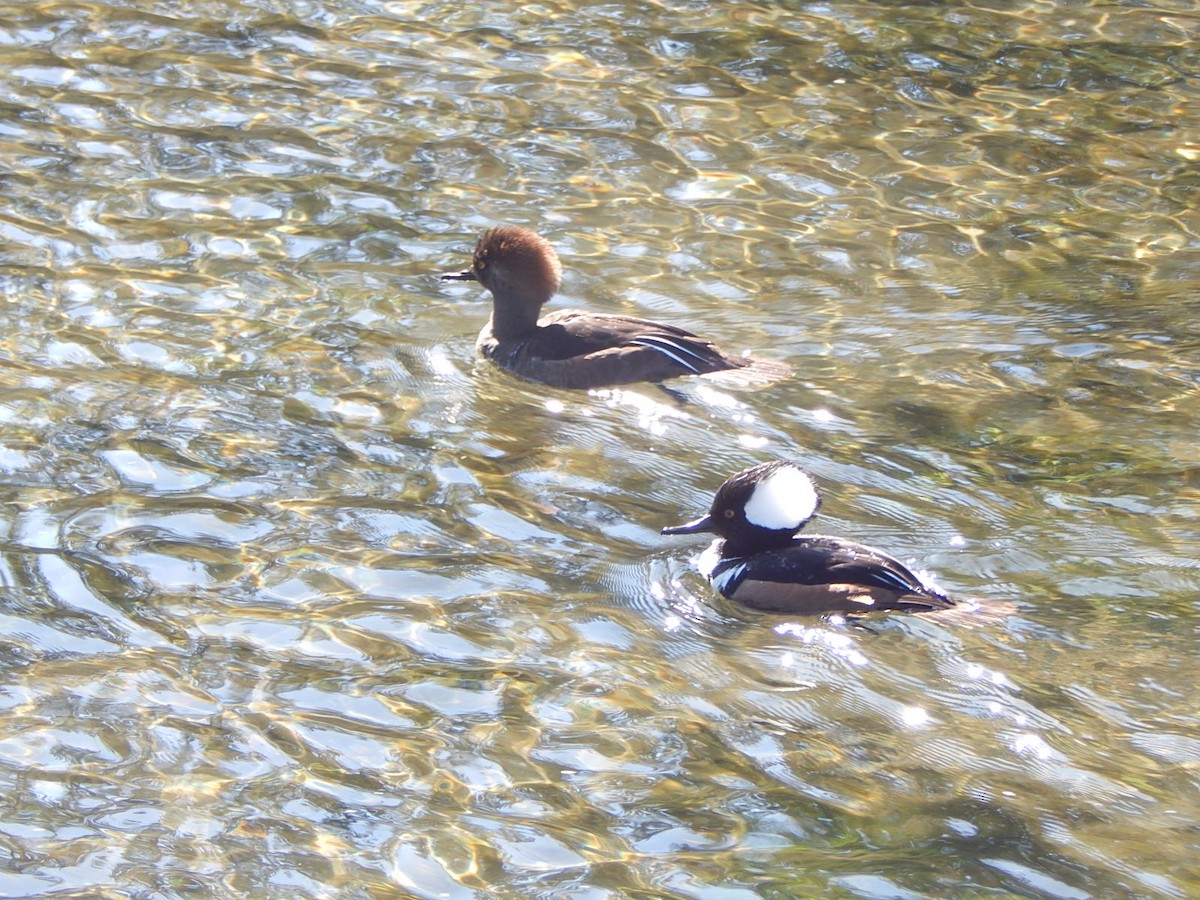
301, 601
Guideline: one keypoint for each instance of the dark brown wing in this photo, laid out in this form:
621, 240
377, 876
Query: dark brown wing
818, 599
577, 349
822, 574
577, 333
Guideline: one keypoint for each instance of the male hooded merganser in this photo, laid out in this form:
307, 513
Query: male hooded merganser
760, 563
573, 348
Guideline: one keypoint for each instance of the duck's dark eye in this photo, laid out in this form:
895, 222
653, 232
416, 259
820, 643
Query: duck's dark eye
729, 514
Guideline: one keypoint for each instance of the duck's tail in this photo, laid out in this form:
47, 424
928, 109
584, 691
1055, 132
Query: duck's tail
750, 370
972, 612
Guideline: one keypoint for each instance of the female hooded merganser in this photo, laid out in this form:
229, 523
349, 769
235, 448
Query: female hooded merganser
761, 563
573, 348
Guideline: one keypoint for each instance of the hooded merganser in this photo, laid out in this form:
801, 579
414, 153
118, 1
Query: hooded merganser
573, 348
759, 562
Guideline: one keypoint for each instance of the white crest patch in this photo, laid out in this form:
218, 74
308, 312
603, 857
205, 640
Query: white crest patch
787, 498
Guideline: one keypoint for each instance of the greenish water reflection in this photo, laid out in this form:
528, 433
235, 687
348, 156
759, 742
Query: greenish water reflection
299, 600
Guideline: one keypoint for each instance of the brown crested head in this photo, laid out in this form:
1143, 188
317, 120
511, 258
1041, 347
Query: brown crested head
515, 263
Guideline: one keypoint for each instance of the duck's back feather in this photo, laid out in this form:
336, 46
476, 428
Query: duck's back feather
823, 574
577, 349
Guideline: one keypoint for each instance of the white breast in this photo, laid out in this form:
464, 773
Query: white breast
709, 558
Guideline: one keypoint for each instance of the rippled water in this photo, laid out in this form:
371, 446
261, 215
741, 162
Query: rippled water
300, 601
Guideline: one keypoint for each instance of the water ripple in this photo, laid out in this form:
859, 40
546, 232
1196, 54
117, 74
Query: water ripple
300, 598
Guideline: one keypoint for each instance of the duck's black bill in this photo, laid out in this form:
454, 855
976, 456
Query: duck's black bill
704, 523
465, 275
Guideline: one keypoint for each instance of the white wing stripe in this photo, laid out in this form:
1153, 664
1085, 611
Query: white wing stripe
665, 347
